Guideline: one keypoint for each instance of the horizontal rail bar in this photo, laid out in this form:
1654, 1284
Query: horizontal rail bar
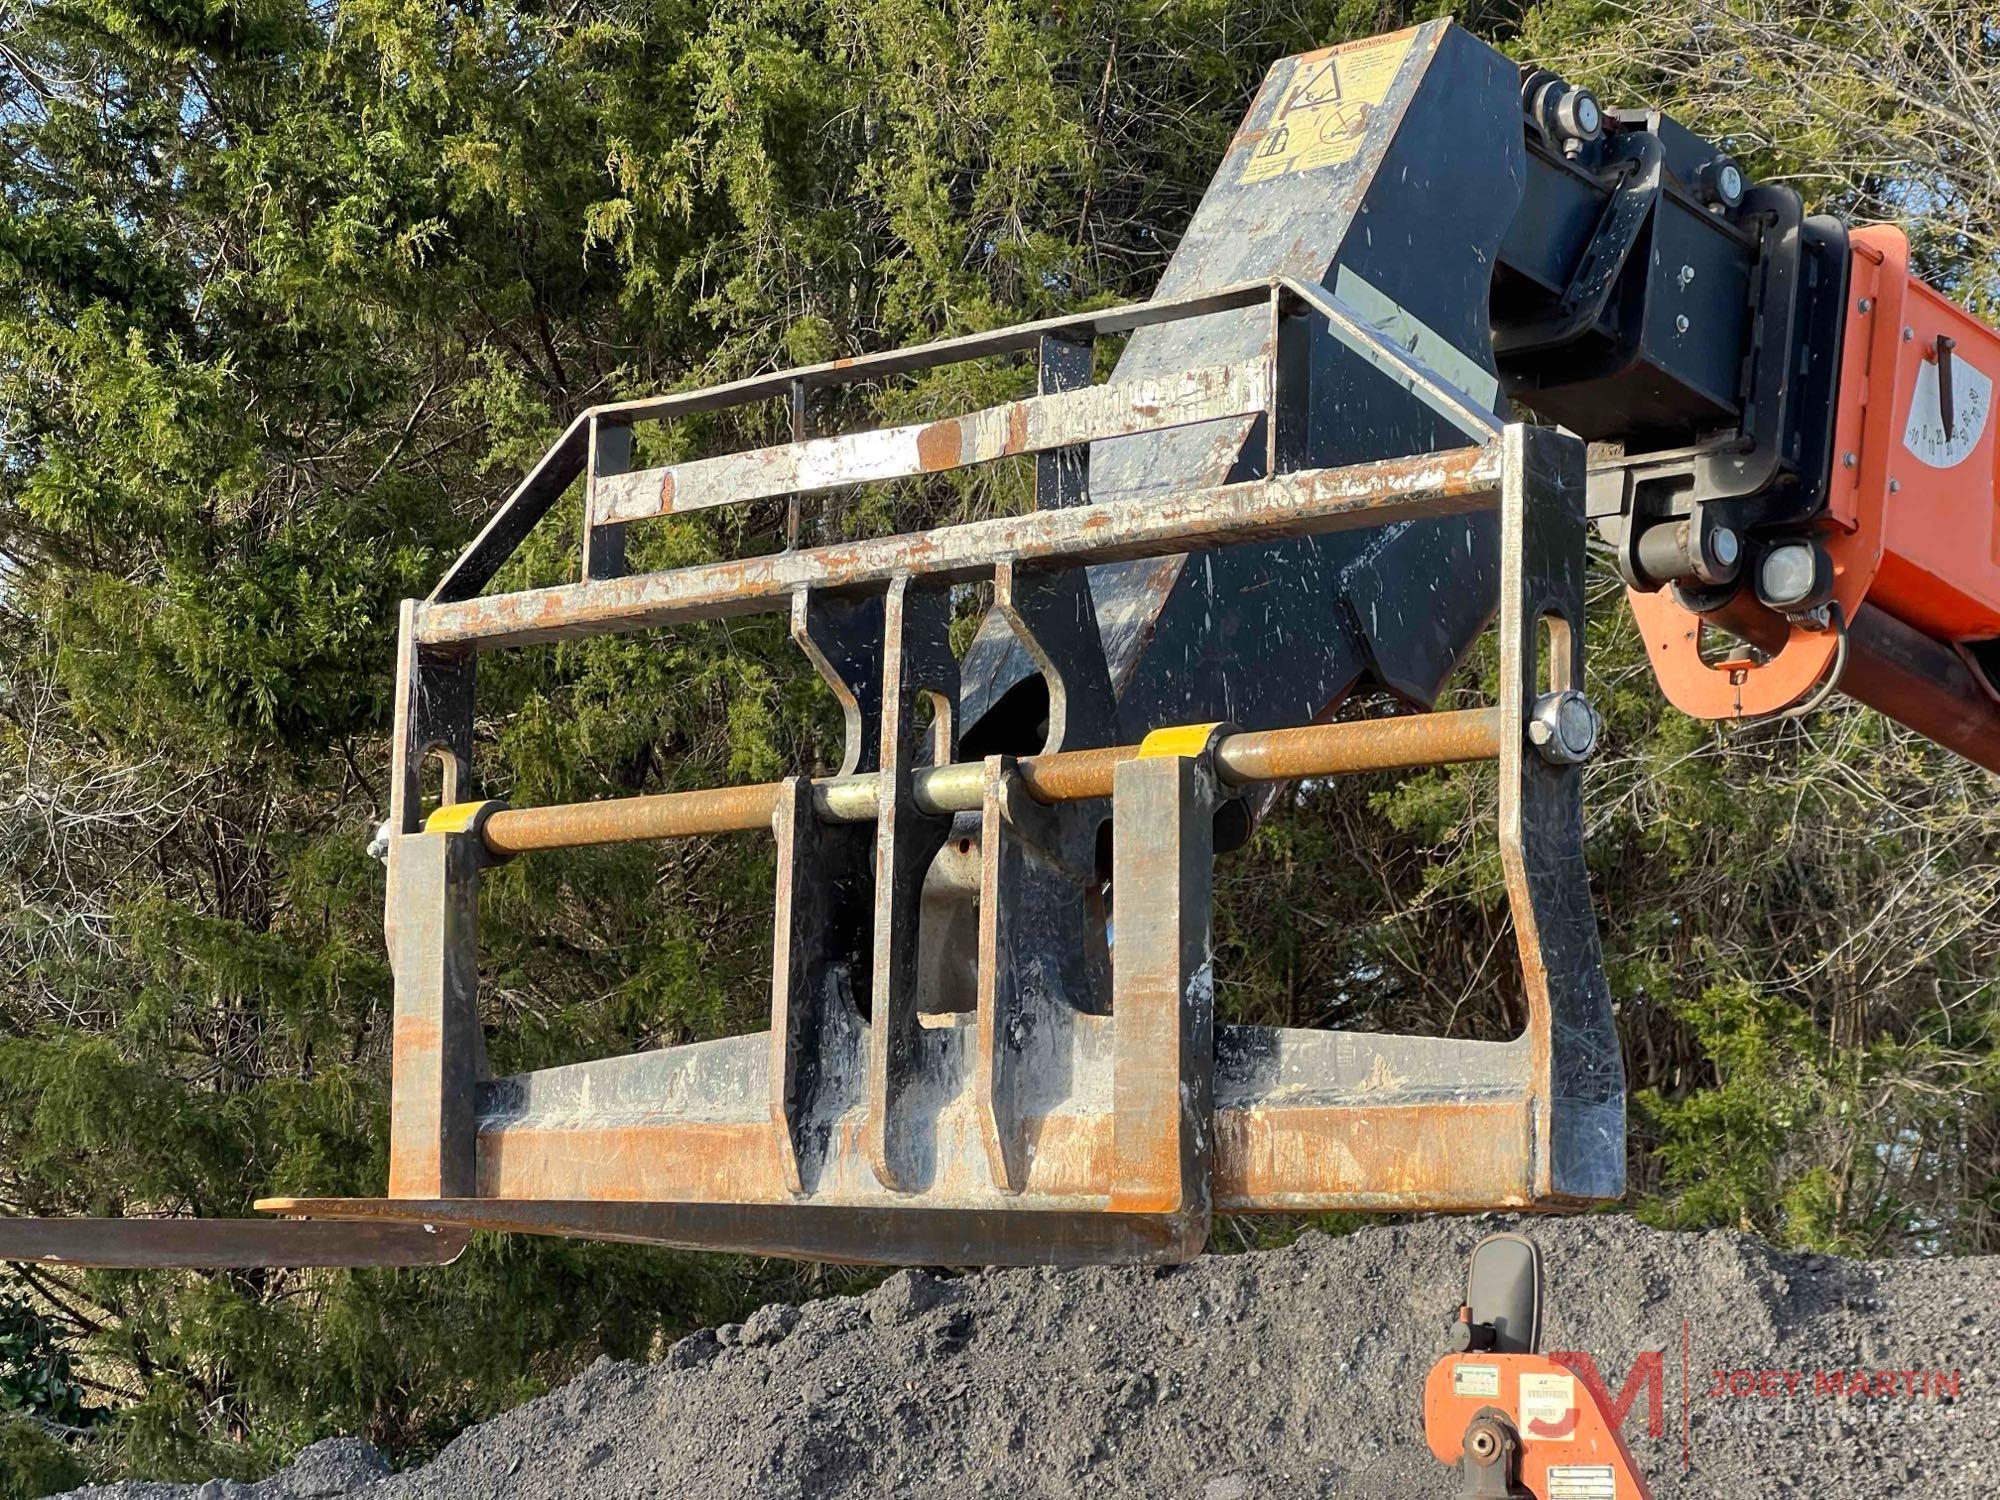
558, 468
1305, 503
1034, 424
1015, 339
909, 1234
1067, 776
1399, 744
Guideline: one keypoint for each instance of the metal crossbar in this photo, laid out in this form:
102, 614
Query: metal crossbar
1301, 504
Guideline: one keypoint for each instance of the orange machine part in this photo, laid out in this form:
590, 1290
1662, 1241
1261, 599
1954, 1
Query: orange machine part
1940, 553
1911, 521
1569, 1446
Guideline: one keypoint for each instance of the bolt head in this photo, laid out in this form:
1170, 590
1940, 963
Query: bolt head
1719, 183
1578, 117
1681, 323
1564, 727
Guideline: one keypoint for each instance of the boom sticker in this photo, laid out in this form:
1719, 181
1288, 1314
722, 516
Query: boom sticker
1323, 118
1582, 1482
1925, 434
1475, 1380
1548, 1405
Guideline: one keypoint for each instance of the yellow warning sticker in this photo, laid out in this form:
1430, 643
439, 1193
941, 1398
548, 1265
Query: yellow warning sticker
1323, 118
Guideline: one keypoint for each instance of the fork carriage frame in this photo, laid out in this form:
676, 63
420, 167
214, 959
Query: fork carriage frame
1076, 1101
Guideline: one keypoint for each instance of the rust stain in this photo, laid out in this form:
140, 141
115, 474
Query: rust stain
416, 1034
415, 1171
686, 1161
940, 446
1417, 1156
1017, 427
666, 492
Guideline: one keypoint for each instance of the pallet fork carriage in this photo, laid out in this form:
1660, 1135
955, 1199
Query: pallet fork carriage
992, 1027
1068, 1112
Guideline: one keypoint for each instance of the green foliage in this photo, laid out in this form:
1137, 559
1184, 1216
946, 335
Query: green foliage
1723, 1148
41, 1405
34, 1461
35, 1367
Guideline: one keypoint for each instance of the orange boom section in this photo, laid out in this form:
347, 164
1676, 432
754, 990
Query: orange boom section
1893, 593
1920, 413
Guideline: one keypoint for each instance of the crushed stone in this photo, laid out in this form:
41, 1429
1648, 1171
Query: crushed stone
1262, 1376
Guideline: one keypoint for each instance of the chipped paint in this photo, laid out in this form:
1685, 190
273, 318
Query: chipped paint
1037, 424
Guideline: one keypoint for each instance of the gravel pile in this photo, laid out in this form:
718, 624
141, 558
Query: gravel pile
1292, 1372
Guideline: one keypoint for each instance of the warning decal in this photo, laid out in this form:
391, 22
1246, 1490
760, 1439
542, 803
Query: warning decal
1582, 1482
1323, 118
1475, 1380
1548, 1406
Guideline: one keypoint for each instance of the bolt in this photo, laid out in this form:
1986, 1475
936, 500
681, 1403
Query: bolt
1722, 542
1719, 183
1578, 116
1908, 334
1564, 728
1687, 275
1681, 323
1848, 460
1895, 485
1866, 304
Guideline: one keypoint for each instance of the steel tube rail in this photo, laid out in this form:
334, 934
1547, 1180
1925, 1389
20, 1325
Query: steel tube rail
1068, 776
1400, 744
1305, 503
628, 820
